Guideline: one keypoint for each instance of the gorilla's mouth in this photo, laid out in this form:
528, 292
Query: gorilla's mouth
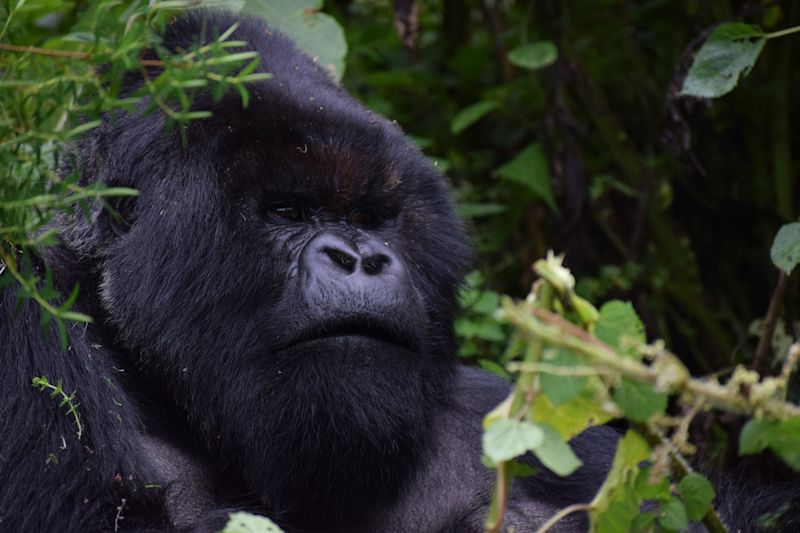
363, 327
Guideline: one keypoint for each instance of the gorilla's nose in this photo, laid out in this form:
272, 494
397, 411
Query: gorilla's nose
329, 256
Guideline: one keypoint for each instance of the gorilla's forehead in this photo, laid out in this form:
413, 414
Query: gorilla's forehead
294, 140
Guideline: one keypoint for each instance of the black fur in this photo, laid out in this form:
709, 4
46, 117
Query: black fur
273, 331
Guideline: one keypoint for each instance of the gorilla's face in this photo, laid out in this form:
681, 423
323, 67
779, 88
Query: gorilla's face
290, 280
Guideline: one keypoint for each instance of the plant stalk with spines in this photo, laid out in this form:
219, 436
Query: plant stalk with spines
57, 390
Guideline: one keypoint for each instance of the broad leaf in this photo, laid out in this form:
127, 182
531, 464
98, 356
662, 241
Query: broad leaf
315, 32
472, 114
534, 56
555, 453
506, 439
727, 55
620, 327
785, 252
639, 401
530, 169
697, 494
560, 389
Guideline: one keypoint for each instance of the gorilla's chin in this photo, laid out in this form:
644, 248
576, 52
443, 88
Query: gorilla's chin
324, 444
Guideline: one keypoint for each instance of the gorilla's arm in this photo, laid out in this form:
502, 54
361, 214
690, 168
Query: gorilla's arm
50, 477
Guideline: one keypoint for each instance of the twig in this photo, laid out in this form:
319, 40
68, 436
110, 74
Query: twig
541, 325
574, 508
768, 327
68, 54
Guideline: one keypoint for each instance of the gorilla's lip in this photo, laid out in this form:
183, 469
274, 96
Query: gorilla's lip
370, 328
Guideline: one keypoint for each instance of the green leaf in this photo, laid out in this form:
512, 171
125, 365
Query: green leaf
697, 494
490, 331
561, 389
470, 115
242, 522
672, 515
785, 251
753, 437
529, 168
643, 522
726, 56
619, 516
534, 56
487, 303
658, 491
506, 439
782, 437
75, 316
639, 401
572, 417
620, 327
315, 32
631, 450
470, 210
555, 453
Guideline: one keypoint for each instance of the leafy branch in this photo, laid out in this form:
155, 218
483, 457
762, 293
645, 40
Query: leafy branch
582, 367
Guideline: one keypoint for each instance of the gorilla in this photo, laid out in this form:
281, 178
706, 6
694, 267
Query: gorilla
273, 330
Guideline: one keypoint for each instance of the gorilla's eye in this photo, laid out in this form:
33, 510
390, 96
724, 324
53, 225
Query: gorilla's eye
293, 213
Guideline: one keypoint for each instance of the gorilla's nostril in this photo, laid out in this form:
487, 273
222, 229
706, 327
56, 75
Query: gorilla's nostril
375, 264
340, 258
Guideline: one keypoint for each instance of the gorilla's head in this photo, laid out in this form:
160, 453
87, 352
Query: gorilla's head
288, 279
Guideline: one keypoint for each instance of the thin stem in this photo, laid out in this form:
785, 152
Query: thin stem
768, 328
50, 52
11, 265
781, 33
574, 508
498, 505
681, 469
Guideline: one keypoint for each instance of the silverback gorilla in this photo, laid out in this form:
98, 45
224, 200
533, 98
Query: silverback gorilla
273, 331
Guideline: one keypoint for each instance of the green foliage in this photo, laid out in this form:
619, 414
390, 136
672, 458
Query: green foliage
242, 522
62, 65
727, 55
638, 400
616, 503
68, 400
555, 454
472, 114
529, 169
559, 388
780, 436
620, 327
606, 369
667, 210
697, 494
534, 56
316, 32
785, 251
506, 439
479, 333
